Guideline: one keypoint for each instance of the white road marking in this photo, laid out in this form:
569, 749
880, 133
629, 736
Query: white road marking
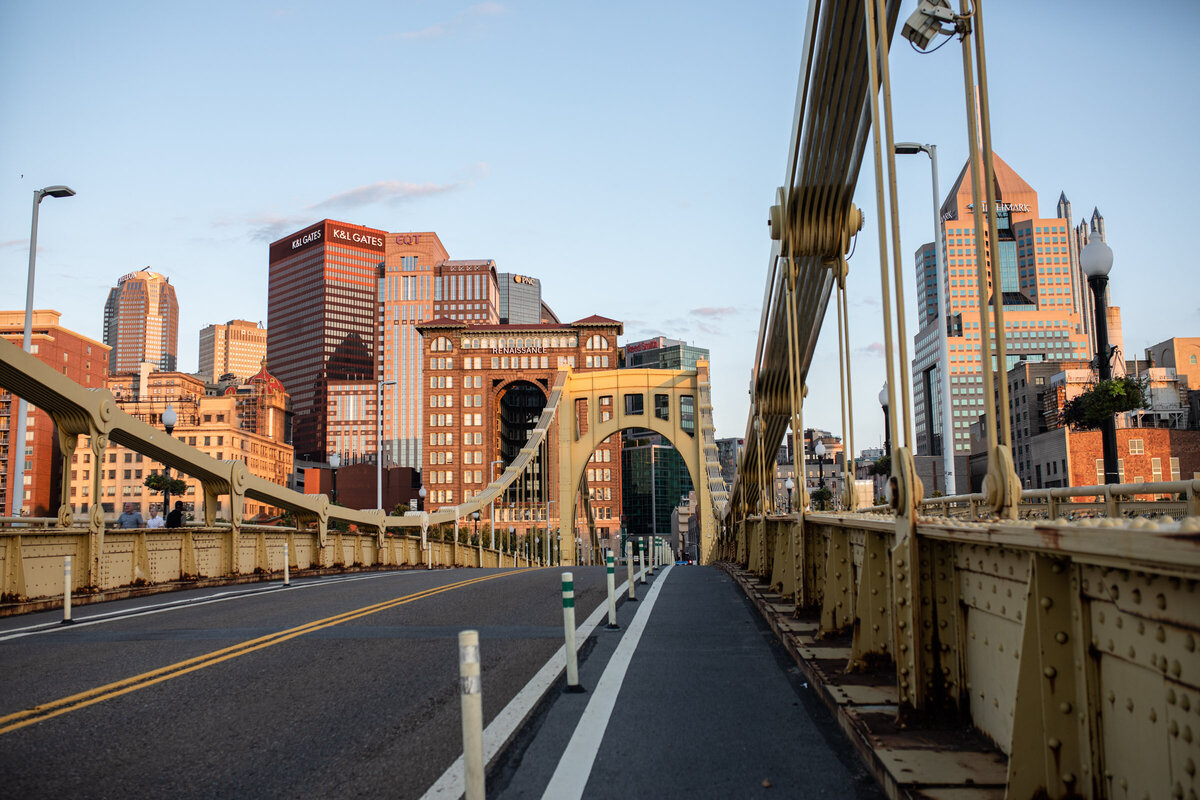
452, 783
575, 767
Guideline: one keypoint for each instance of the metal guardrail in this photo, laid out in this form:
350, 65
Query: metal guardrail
1072, 645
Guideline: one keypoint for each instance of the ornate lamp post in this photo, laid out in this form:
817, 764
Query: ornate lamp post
335, 461
887, 434
789, 484
475, 519
169, 418
1096, 260
820, 453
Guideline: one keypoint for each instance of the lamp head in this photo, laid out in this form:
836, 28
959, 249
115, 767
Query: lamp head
883, 396
789, 484
1096, 259
335, 461
169, 418
56, 191
926, 22
819, 449
421, 494
910, 148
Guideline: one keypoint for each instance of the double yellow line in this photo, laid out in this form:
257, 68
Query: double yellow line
20, 719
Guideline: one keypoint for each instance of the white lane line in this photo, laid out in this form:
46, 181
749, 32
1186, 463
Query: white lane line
575, 767
187, 603
452, 783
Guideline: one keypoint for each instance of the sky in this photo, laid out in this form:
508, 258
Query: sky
625, 153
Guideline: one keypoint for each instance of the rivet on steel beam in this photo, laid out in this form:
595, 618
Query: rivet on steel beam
1068, 778
1112, 697
1064, 708
900, 563
1160, 634
1137, 595
901, 624
1173, 728
1129, 705
1153, 716
1061, 637
1162, 601
1047, 602
1171, 696
1187, 733
1053, 743
943, 624
1049, 672
1185, 702
904, 671
1190, 643
1175, 668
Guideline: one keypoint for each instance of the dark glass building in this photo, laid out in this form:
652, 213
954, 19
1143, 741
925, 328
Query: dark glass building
321, 319
654, 481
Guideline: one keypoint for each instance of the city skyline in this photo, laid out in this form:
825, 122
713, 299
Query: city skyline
617, 182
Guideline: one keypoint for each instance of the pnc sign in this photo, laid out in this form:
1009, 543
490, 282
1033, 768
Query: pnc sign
524, 279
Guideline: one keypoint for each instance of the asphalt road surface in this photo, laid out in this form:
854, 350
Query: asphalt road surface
333, 687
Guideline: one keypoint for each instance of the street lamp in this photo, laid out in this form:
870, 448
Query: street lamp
379, 448
789, 484
909, 148
475, 518
883, 401
169, 418
512, 538
1096, 261
492, 506
335, 461
17, 489
421, 494
820, 452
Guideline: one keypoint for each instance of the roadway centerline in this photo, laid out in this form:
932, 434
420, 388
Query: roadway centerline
191, 602
43, 711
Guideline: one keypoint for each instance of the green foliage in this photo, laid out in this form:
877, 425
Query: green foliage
1089, 410
158, 483
882, 467
821, 498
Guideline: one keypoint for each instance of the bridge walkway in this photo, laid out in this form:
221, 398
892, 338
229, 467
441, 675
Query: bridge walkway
708, 704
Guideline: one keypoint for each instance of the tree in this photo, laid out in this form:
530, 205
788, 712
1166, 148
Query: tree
820, 498
158, 482
883, 466
1102, 401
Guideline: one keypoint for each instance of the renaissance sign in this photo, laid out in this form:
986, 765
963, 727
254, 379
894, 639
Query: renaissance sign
517, 350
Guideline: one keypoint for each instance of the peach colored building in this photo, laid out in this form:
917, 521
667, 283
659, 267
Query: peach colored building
1030, 270
236, 348
141, 322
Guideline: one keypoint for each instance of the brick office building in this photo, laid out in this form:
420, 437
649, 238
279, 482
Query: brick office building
81, 359
486, 385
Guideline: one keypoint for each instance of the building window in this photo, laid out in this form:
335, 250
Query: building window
1136, 447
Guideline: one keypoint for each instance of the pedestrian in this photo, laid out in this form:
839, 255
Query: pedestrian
175, 518
156, 521
131, 518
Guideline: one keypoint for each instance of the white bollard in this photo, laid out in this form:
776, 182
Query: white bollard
610, 566
67, 586
629, 568
568, 599
642, 561
287, 566
471, 688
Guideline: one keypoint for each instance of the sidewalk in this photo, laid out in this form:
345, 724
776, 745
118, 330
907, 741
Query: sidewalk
707, 704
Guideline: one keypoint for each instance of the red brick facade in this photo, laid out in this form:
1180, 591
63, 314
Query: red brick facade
1145, 455
470, 370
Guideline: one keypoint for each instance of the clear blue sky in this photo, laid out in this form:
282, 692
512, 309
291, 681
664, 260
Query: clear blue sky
625, 153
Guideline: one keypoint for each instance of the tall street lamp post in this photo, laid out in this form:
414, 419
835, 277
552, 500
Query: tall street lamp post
17, 449
492, 505
909, 148
789, 484
379, 448
169, 418
820, 453
1096, 260
475, 519
887, 433
335, 461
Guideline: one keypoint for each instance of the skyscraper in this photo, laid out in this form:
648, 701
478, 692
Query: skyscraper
235, 348
1030, 269
520, 299
322, 326
141, 322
